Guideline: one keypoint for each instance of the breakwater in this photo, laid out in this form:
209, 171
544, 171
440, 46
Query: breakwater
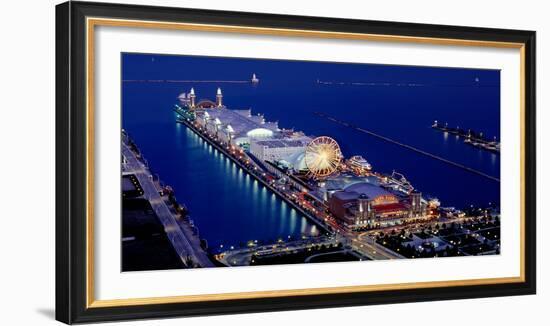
179, 81
409, 147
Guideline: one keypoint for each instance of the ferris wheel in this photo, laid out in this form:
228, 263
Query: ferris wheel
322, 156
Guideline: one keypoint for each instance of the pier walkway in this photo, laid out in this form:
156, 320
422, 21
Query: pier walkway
184, 242
409, 147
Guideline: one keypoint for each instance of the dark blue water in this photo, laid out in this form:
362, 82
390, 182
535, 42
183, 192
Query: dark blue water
230, 207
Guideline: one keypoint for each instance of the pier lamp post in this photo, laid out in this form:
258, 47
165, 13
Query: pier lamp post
219, 98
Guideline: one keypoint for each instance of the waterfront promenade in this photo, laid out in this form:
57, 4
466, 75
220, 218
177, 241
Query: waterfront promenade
185, 243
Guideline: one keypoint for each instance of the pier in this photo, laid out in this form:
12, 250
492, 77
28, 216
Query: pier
409, 147
249, 170
258, 145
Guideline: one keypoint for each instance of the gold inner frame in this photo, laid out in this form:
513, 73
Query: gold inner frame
91, 22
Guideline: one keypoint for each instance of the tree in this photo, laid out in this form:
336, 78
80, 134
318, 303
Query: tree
189, 263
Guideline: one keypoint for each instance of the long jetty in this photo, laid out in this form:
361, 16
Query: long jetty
409, 147
360, 83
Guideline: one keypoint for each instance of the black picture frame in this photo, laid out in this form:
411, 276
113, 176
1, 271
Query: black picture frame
71, 158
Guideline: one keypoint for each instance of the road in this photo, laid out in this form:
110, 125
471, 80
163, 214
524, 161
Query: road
365, 243
345, 251
241, 257
186, 245
368, 247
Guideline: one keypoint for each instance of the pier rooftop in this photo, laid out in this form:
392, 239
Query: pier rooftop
263, 139
240, 124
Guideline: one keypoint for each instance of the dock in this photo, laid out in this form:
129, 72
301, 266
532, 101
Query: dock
470, 137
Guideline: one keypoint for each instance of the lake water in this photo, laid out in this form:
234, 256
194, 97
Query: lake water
230, 207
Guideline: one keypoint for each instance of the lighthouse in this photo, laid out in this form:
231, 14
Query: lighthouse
219, 98
192, 97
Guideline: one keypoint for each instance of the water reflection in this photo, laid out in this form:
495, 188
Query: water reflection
228, 205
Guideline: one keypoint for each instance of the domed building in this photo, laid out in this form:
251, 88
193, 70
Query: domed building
363, 204
206, 104
235, 127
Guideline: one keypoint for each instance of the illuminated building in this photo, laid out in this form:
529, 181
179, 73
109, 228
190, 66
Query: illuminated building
359, 165
205, 104
183, 99
417, 207
364, 204
274, 149
236, 127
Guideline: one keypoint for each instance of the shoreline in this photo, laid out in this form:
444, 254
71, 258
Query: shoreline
185, 241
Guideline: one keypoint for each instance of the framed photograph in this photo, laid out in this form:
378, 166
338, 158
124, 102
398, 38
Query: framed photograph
212, 162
